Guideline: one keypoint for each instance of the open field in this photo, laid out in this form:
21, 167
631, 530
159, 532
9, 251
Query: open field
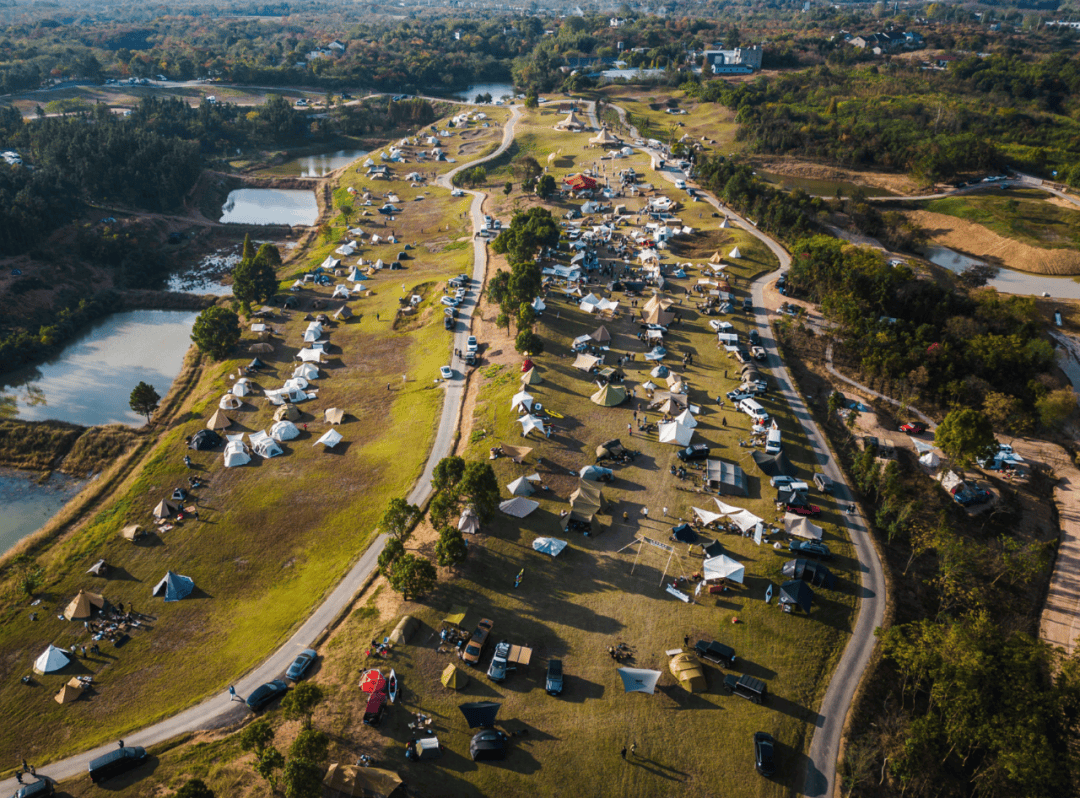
1025, 215
709, 124
272, 537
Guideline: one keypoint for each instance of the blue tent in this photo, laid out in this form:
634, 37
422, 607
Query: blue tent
657, 353
684, 533
174, 586
480, 713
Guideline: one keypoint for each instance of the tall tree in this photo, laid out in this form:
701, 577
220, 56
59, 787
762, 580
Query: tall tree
399, 517
411, 575
451, 548
300, 702
481, 488
144, 400
448, 472
216, 332
966, 435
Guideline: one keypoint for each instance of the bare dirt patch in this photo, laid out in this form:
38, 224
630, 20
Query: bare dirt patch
898, 184
980, 242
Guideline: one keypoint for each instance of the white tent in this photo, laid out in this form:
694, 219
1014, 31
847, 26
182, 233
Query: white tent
356, 275
230, 402
307, 371
686, 418
723, 567
51, 660
263, 445
801, 527
522, 400
552, 546
346, 249
674, 432
282, 395
727, 509
585, 362
930, 460
705, 517
538, 305
529, 423
744, 520
735, 253
518, 507
639, 680
310, 355
296, 384
241, 387
330, 439
724, 225
311, 336
340, 290
520, 487
469, 521
236, 454
284, 430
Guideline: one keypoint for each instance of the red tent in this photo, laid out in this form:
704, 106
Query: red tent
528, 364
375, 703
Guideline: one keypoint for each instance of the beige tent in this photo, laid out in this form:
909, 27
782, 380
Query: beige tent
802, 527
588, 498
586, 362
166, 509
404, 630
334, 415
453, 677
600, 335
261, 349
657, 316
570, 123
82, 606
658, 302
348, 781
230, 402
532, 377
133, 532
609, 396
287, 412
69, 692
343, 313
218, 421
605, 138
689, 672
716, 258
516, 453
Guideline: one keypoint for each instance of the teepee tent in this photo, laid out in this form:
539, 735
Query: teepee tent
674, 432
520, 487
521, 401
165, 509
69, 692
735, 253
724, 225
330, 439
686, 418
218, 421
532, 377
469, 521
454, 678
716, 258
51, 660
83, 606
609, 396
930, 459
600, 335
174, 586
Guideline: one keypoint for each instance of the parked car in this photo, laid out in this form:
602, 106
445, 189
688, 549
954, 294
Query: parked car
722, 655
499, 665
764, 756
554, 682
811, 548
266, 694
738, 395
696, 451
476, 642
446, 372
804, 509
913, 428
823, 483
792, 483
488, 744
966, 494
758, 353
117, 761
302, 664
754, 337
450, 301
748, 305
471, 344
747, 687
448, 322
35, 789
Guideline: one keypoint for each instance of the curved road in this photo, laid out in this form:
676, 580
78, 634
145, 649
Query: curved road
825, 745
219, 710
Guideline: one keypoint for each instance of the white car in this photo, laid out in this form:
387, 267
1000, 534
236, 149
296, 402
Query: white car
446, 373
471, 344
450, 301
721, 326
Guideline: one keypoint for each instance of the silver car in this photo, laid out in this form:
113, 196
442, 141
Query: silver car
499, 665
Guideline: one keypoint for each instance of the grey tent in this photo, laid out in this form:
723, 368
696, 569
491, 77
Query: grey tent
595, 473
773, 465
659, 372
811, 571
204, 439
256, 364
797, 592
480, 713
174, 586
724, 477
657, 353
684, 533
714, 549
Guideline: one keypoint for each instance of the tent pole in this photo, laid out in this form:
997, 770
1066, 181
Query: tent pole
640, 544
666, 566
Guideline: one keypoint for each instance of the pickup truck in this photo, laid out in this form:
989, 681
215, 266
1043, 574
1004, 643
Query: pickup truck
804, 509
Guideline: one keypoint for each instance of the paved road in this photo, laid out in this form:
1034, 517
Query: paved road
825, 745
220, 710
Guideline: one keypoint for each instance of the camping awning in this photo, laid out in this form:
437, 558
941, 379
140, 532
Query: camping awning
744, 520
801, 526
773, 465
552, 546
684, 533
723, 567
518, 507
639, 680
705, 517
585, 362
480, 713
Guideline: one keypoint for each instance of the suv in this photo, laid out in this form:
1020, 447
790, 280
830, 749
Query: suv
476, 642
554, 682
811, 548
966, 494
36, 788
722, 655
696, 451
823, 483
748, 305
471, 344
754, 337
763, 754
118, 761
498, 667
791, 483
758, 352
747, 687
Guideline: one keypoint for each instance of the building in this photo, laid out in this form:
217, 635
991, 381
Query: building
740, 61
888, 41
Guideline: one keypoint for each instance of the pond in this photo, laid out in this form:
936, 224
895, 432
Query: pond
497, 91
1007, 281
205, 276
315, 165
819, 188
28, 504
270, 206
90, 381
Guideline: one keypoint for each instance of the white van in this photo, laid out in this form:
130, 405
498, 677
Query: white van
772, 442
680, 184
753, 409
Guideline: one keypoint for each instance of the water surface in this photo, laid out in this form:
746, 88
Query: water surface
316, 165
1007, 281
498, 91
28, 504
820, 188
270, 206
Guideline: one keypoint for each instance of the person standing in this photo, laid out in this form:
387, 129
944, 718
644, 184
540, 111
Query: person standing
623, 752
686, 640
633, 747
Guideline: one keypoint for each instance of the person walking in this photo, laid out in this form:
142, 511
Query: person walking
25, 767
232, 693
388, 386
623, 752
120, 743
633, 748
686, 640
18, 776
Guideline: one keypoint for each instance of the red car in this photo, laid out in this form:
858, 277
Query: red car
808, 509
913, 429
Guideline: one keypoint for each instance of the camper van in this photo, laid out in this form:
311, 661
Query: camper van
754, 410
772, 442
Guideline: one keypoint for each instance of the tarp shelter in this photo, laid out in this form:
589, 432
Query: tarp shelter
456, 616
218, 421
658, 302
454, 677
530, 423
284, 431
205, 439
335, 415
405, 629
684, 533
639, 680
100, 568
480, 713
51, 660
166, 509
810, 571
797, 593
588, 499
705, 517
83, 605
522, 400
725, 508
723, 567
261, 349
724, 477
287, 412
518, 507
329, 439
69, 692
688, 671
674, 432
133, 532
744, 520
714, 549
230, 402
600, 335
532, 377
586, 362
307, 371
595, 473
773, 465
174, 586
235, 454
469, 521
552, 546
516, 453
520, 487
657, 353
347, 781
801, 526
609, 396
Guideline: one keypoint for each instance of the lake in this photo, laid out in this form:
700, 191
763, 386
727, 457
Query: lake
317, 165
28, 504
1007, 281
270, 206
819, 188
497, 91
90, 381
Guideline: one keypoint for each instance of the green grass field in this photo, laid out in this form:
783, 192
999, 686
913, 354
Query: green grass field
1024, 215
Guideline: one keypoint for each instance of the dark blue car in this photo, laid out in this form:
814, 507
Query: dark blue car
264, 695
301, 665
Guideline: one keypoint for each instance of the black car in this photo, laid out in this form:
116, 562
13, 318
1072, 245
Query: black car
117, 761
35, 789
811, 547
747, 305
755, 338
448, 323
488, 744
266, 694
722, 655
554, 682
764, 758
696, 451
753, 690
301, 665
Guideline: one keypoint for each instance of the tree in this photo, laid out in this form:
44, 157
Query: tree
144, 400
526, 316
507, 188
269, 762
301, 701
442, 507
346, 213
528, 343
393, 549
448, 472
499, 287
1056, 407
302, 779
545, 186
503, 320
451, 549
965, 436
411, 575
255, 278
399, 517
310, 744
532, 99
216, 332
481, 488
1006, 412
257, 736
526, 168
194, 788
